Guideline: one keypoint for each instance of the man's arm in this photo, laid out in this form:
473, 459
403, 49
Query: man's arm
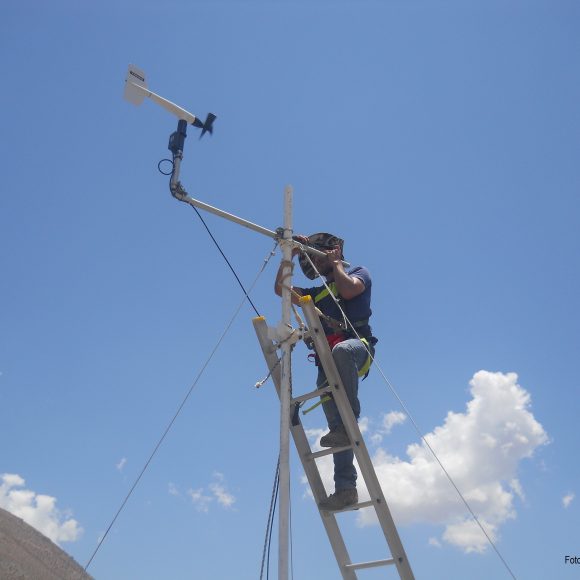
348, 287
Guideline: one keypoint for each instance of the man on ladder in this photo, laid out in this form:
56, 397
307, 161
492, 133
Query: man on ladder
344, 303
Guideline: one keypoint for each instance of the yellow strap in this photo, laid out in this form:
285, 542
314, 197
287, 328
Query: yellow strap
321, 402
365, 368
324, 292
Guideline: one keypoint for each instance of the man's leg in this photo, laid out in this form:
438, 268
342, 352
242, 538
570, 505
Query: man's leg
349, 356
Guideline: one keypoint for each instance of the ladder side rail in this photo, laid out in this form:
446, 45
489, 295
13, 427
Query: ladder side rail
304, 451
360, 450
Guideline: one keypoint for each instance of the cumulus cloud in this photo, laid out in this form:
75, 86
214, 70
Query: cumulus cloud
199, 499
364, 425
315, 434
202, 498
391, 419
480, 448
218, 488
121, 463
468, 536
518, 489
37, 510
388, 421
568, 499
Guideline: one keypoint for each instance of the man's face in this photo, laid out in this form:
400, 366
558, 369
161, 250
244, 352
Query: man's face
322, 264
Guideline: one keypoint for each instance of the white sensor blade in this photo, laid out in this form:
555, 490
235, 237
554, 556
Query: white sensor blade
171, 107
136, 90
134, 85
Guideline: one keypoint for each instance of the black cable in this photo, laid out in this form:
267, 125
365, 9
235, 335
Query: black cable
291, 543
272, 528
271, 512
210, 235
227, 261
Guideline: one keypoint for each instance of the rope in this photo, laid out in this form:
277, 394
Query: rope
416, 426
288, 275
167, 429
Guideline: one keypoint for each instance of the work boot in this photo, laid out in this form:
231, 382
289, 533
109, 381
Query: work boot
340, 499
337, 437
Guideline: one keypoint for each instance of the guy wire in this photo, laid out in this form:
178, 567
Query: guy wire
415, 425
179, 409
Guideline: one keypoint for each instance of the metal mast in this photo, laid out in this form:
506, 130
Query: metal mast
286, 394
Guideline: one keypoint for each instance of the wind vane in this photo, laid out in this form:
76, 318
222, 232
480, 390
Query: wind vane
136, 90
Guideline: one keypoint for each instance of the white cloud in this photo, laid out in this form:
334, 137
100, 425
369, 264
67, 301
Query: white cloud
568, 499
388, 421
434, 542
315, 434
200, 501
480, 448
376, 438
518, 489
121, 464
391, 419
37, 510
172, 488
217, 490
363, 424
468, 535
223, 497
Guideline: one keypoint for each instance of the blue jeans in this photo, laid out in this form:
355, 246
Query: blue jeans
349, 356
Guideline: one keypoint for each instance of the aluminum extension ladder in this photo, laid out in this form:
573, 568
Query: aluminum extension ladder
308, 458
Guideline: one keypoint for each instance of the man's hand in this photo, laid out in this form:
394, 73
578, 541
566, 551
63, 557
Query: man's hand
349, 287
334, 256
303, 240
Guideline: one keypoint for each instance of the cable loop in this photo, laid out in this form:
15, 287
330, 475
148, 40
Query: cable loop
166, 161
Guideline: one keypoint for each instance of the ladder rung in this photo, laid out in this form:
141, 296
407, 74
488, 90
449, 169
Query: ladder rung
329, 451
354, 506
374, 564
311, 395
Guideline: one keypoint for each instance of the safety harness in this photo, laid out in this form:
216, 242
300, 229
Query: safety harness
343, 332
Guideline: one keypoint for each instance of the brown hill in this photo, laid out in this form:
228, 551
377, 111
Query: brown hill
25, 554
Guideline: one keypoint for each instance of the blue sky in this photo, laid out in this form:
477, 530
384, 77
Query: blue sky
440, 139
